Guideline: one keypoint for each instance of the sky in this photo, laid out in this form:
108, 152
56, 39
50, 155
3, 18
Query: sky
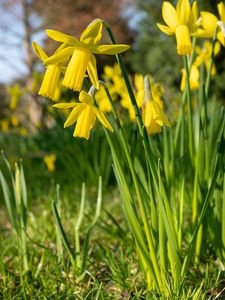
12, 64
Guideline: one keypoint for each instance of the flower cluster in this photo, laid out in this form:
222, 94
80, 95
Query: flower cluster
74, 60
184, 22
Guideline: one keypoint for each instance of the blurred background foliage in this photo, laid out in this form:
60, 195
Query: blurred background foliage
29, 128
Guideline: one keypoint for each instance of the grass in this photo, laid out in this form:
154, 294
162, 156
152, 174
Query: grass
112, 268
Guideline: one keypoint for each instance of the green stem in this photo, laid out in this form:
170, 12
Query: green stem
209, 75
190, 121
130, 212
137, 189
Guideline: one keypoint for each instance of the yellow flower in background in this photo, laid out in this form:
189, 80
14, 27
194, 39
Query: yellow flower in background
49, 86
14, 121
209, 22
194, 78
50, 162
82, 54
181, 22
37, 78
111, 71
102, 99
204, 55
23, 131
84, 113
4, 125
152, 113
15, 92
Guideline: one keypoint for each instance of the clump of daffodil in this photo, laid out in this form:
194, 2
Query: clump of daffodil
181, 22
152, 113
193, 78
49, 160
15, 92
84, 113
50, 84
81, 53
209, 22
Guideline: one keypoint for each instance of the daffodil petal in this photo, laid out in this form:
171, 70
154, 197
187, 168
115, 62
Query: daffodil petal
92, 71
109, 49
93, 33
102, 118
165, 29
39, 51
65, 105
193, 17
221, 37
74, 115
60, 56
221, 10
183, 9
217, 48
209, 23
169, 14
84, 97
59, 36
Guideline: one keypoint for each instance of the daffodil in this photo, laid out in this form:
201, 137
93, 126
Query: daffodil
152, 113
49, 160
139, 90
23, 131
209, 22
194, 78
181, 22
49, 86
14, 120
84, 113
82, 54
102, 100
4, 125
204, 55
15, 92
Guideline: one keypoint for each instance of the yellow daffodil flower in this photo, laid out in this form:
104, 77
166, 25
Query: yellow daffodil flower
14, 121
15, 92
154, 117
102, 100
204, 55
82, 54
181, 22
152, 113
4, 125
139, 90
49, 160
49, 87
194, 78
84, 113
23, 131
209, 22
